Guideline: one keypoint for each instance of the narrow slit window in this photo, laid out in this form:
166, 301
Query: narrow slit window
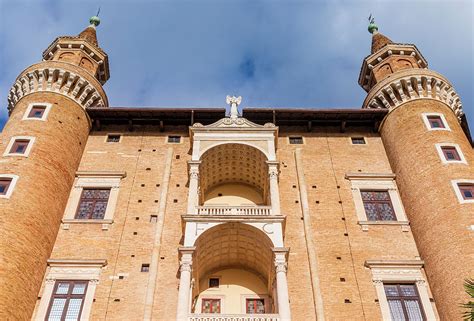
174, 139
358, 140
378, 206
19, 146
37, 111
113, 138
4, 185
67, 300
296, 140
93, 204
435, 121
450, 153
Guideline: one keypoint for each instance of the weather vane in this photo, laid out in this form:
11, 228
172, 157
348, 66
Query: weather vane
98, 11
371, 19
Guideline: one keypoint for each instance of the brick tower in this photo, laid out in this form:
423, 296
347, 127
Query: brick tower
428, 151
42, 144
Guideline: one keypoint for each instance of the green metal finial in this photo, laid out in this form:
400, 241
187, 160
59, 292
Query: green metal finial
372, 26
95, 20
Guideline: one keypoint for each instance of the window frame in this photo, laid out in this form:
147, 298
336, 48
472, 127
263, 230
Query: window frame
211, 299
218, 282
457, 190
100, 180
44, 117
113, 134
31, 141
403, 298
428, 124
94, 200
175, 143
254, 299
70, 270
358, 137
439, 149
400, 271
67, 296
389, 201
11, 187
296, 137
377, 182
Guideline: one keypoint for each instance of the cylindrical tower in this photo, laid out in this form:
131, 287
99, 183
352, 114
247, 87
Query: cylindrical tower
41, 145
433, 161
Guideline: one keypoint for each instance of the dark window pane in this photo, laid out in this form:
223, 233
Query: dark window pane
404, 302
450, 153
67, 301
296, 140
358, 140
37, 112
19, 146
213, 282
93, 204
436, 122
113, 138
467, 191
174, 139
4, 184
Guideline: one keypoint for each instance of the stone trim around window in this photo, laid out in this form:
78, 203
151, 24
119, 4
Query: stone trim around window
457, 191
427, 122
93, 179
381, 182
458, 150
400, 271
44, 117
11, 187
70, 270
31, 141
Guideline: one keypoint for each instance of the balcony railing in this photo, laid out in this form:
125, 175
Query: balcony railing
233, 317
220, 210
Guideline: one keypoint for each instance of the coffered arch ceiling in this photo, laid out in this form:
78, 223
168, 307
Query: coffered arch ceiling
233, 163
233, 245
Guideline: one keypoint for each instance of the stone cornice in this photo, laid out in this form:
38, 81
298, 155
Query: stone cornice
120, 174
413, 84
61, 78
73, 262
394, 263
370, 176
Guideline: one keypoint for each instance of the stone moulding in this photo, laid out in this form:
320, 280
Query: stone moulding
409, 85
56, 80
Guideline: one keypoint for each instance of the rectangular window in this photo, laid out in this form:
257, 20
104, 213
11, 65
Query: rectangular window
254, 306
295, 140
67, 301
358, 140
404, 302
211, 306
174, 139
113, 138
19, 146
93, 204
450, 153
4, 185
467, 191
378, 206
435, 121
145, 268
37, 111
214, 282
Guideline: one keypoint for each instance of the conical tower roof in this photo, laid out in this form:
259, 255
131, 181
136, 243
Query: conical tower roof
379, 41
89, 34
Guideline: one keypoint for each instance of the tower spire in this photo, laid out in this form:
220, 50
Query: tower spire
378, 40
89, 33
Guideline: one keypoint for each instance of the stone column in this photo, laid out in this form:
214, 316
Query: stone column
193, 198
274, 190
282, 283
184, 283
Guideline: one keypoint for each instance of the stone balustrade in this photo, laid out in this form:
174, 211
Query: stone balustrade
233, 317
220, 210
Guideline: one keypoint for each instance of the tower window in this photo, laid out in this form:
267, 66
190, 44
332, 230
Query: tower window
174, 139
214, 282
113, 138
296, 140
467, 191
145, 268
450, 153
67, 300
37, 112
93, 204
404, 302
436, 122
358, 140
253, 306
378, 206
4, 185
19, 146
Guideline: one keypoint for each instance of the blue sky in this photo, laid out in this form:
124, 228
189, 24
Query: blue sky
275, 53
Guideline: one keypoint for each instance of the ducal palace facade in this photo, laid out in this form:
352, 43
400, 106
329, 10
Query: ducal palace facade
237, 214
